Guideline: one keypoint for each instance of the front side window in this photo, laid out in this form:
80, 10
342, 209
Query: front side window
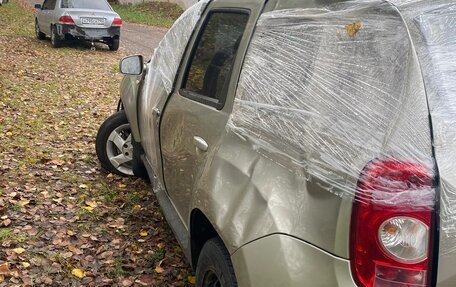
210, 65
86, 4
49, 4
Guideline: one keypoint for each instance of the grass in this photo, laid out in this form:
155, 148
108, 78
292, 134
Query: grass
11, 18
5, 234
160, 14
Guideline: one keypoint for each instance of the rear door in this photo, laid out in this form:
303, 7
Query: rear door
195, 116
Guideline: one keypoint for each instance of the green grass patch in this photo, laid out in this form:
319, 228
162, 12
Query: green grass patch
5, 234
13, 19
160, 14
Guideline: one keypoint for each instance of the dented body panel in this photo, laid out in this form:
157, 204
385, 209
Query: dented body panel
88, 33
318, 91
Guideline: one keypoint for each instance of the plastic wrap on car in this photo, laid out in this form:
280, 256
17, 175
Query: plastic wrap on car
161, 72
331, 91
168, 55
432, 27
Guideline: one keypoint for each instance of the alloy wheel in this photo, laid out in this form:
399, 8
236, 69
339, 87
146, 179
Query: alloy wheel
119, 149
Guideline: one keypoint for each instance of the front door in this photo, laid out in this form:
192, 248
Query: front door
196, 114
45, 15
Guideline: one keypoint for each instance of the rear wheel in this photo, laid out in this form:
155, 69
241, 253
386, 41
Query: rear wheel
214, 268
55, 38
114, 44
39, 35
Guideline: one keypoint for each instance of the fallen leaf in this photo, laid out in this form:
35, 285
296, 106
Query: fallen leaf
6, 222
126, 282
353, 28
75, 250
78, 273
19, 250
24, 202
88, 208
192, 279
158, 268
25, 264
91, 203
4, 269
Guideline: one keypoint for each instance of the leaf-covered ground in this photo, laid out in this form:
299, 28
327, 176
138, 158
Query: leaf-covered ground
63, 220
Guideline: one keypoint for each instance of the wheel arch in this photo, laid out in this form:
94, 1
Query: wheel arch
201, 230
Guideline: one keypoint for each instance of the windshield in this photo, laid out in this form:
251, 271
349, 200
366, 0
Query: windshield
86, 4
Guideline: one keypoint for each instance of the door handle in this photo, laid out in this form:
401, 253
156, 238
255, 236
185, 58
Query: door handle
200, 143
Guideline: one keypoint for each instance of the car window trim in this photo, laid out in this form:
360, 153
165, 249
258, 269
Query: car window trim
199, 97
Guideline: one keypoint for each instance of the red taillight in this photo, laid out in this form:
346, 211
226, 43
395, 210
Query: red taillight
117, 22
391, 224
66, 20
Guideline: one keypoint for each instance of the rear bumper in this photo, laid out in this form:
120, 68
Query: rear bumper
92, 34
281, 260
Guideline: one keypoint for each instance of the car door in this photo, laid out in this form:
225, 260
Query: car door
195, 116
45, 16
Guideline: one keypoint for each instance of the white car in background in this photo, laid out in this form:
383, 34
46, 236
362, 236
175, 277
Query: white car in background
87, 20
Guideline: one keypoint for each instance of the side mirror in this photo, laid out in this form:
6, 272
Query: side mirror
132, 65
38, 6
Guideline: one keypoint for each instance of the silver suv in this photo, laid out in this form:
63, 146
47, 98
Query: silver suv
300, 143
88, 20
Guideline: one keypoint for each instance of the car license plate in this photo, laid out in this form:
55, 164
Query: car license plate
93, 21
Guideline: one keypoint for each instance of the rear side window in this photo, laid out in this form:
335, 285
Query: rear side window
86, 4
49, 5
208, 74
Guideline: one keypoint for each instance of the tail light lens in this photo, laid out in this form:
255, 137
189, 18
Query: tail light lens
117, 22
66, 19
391, 224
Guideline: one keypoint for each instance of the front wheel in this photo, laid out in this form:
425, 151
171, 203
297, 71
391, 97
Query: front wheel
39, 35
114, 145
214, 267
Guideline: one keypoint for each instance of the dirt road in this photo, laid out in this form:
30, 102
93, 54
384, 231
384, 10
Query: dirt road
135, 38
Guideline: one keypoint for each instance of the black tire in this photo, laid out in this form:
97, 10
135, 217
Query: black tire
56, 42
114, 44
106, 148
139, 169
214, 267
39, 35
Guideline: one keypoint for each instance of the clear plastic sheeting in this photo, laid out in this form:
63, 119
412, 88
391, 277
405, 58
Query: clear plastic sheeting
433, 30
168, 55
158, 83
339, 92
334, 90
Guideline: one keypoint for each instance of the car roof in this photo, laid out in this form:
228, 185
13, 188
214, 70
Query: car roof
288, 4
